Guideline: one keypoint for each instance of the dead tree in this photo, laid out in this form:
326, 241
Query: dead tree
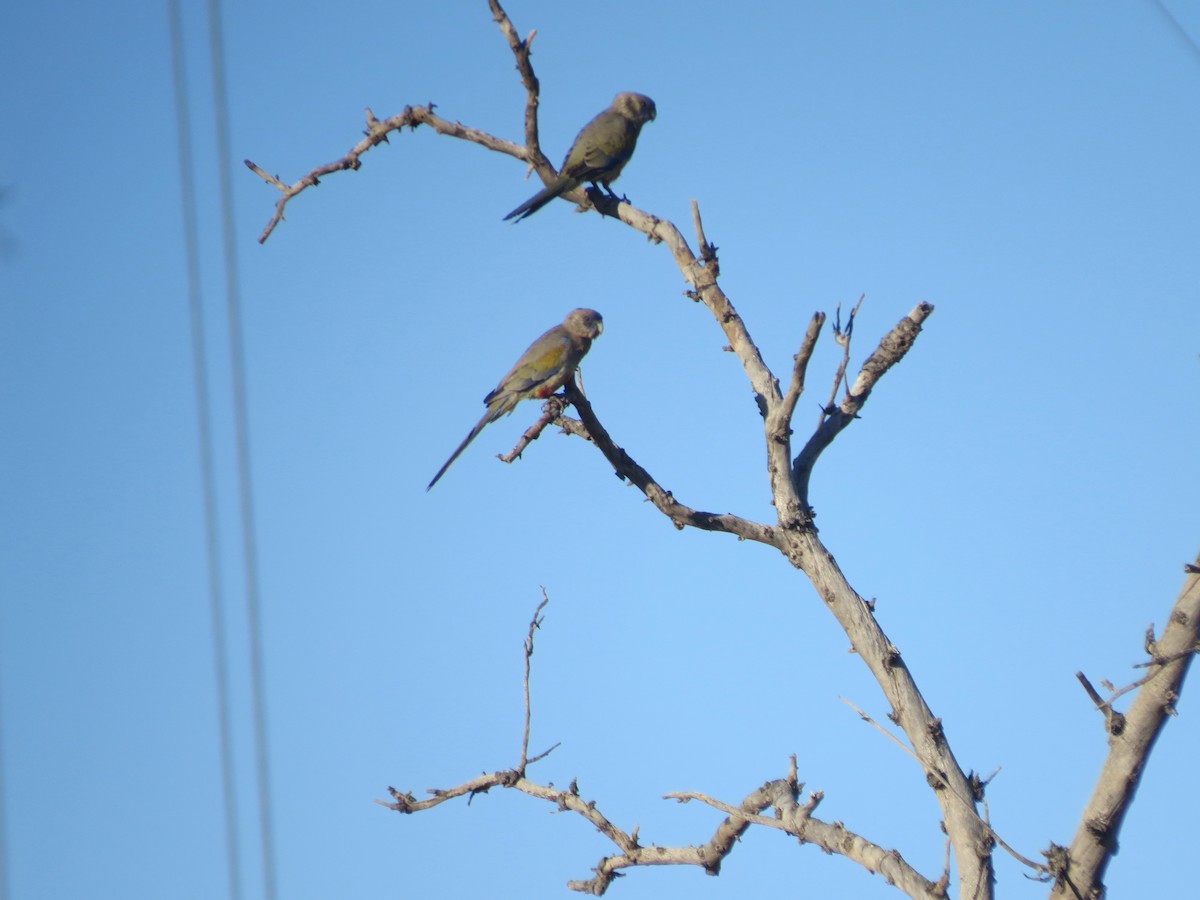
1074, 871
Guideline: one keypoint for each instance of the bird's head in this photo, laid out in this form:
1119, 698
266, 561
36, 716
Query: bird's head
634, 106
584, 323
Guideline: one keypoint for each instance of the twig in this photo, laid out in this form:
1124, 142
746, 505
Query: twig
552, 409
800, 365
891, 737
782, 794
377, 133
708, 252
799, 822
534, 624
521, 50
1114, 722
1039, 867
1091, 691
1158, 661
843, 337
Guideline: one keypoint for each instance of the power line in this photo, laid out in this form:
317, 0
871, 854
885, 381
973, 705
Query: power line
1177, 27
4, 894
241, 429
204, 436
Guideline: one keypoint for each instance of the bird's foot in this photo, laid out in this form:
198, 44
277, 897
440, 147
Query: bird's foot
604, 200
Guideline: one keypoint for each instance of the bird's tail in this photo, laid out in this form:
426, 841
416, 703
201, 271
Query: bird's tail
488, 416
540, 199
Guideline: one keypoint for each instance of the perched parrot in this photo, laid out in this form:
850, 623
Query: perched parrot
599, 153
546, 366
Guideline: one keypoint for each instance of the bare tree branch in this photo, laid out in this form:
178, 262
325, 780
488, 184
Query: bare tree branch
377, 133
797, 539
787, 406
534, 624
953, 789
1079, 869
520, 49
890, 351
680, 515
782, 794
842, 336
552, 411
834, 838
1039, 868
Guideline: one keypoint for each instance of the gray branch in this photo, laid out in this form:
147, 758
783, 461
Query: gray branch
1079, 869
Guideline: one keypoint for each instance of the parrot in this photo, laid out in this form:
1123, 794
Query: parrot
546, 366
599, 153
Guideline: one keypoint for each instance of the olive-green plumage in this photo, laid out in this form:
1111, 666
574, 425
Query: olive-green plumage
542, 369
599, 153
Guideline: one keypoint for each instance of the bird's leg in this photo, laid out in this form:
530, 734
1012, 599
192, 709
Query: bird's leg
603, 199
613, 195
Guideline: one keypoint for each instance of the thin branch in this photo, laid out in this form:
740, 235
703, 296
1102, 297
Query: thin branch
893, 348
552, 410
534, 624
1036, 866
1156, 661
842, 336
1114, 722
680, 515
800, 366
377, 133
832, 837
521, 50
891, 737
782, 794
1091, 691
708, 251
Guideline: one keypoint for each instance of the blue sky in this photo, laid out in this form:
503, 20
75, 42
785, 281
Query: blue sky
1019, 495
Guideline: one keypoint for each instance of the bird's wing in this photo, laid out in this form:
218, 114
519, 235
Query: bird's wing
539, 366
604, 146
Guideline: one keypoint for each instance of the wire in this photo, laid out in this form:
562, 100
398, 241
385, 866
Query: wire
4, 894
241, 429
1177, 27
216, 600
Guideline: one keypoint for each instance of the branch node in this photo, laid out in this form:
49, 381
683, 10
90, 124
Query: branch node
934, 727
977, 785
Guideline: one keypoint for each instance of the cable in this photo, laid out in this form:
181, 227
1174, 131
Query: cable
241, 429
216, 600
1178, 28
4, 887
